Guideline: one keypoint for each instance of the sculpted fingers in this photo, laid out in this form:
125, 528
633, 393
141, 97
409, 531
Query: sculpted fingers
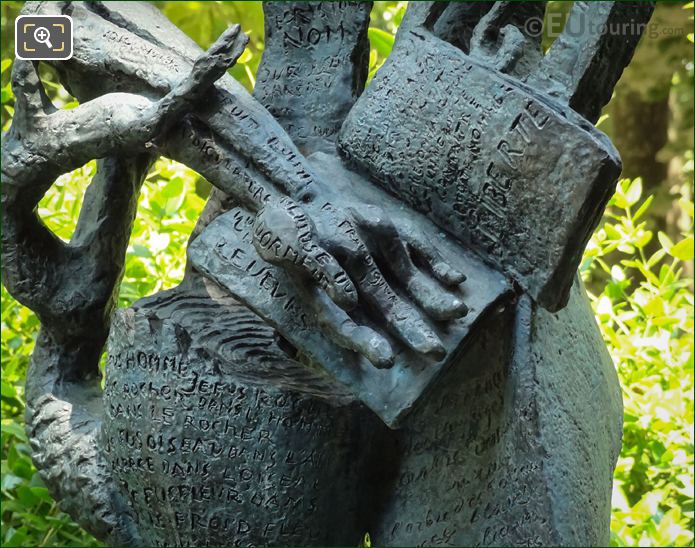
346, 333
436, 262
30, 96
401, 319
285, 236
509, 36
437, 302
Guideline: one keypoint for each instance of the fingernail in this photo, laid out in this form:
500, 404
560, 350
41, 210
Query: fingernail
456, 277
459, 308
422, 340
438, 352
381, 354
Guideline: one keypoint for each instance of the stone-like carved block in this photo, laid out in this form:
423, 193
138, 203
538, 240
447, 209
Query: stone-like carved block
225, 253
515, 175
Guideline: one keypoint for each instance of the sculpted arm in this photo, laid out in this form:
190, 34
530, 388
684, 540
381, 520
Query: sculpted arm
239, 146
44, 142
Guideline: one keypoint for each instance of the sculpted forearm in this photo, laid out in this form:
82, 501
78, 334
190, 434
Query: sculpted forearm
235, 118
40, 270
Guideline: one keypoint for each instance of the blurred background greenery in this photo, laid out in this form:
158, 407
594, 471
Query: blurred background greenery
638, 268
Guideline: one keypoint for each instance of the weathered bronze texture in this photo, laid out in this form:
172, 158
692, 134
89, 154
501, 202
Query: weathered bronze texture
380, 328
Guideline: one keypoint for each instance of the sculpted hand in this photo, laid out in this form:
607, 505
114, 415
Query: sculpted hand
337, 259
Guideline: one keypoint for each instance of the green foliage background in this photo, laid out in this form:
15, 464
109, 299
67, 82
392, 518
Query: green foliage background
638, 268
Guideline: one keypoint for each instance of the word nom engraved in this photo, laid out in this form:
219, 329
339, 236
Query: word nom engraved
324, 50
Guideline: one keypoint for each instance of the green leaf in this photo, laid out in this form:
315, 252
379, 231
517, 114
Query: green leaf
381, 41
14, 429
612, 232
634, 192
174, 188
41, 494
17, 537
140, 250
617, 273
7, 390
10, 481
136, 270
658, 255
174, 204
602, 119
665, 241
6, 94
642, 209
683, 250
619, 199
27, 497
644, 239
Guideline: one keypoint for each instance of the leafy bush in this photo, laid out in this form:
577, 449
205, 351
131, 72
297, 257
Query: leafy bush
645, 311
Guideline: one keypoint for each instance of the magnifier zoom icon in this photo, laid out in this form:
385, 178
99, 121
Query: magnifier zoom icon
43, 36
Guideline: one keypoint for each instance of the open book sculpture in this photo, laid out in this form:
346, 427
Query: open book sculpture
380, 328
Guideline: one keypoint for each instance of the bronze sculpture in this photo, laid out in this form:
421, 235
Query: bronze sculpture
234, 405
